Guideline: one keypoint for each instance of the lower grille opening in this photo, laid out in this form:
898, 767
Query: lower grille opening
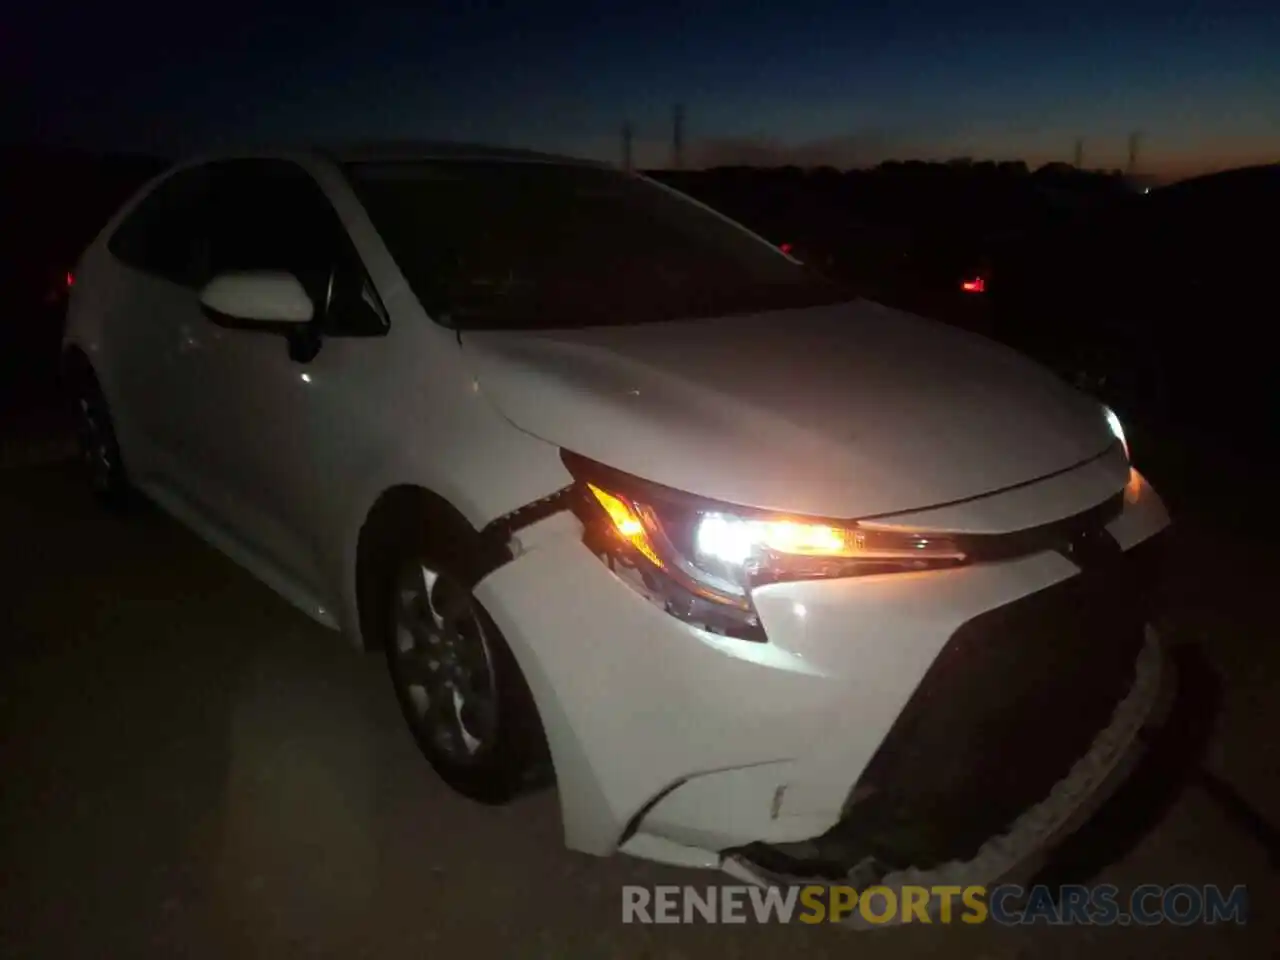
1016, 696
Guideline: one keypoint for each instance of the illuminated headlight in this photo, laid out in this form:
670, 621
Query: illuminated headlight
1117, 430
700, 559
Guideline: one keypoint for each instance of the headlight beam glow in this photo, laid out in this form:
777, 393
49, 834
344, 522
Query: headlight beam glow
1117, 430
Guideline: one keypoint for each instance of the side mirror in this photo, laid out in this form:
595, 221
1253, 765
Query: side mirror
265, 300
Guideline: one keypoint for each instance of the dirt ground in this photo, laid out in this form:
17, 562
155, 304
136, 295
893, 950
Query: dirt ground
191, 768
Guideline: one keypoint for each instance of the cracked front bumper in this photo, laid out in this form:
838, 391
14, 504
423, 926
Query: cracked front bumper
1014, 853
679, 745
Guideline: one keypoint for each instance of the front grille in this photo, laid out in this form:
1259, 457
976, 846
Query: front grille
1016, 696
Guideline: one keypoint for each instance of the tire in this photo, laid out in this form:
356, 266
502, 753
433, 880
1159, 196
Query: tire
99, 448
458, 684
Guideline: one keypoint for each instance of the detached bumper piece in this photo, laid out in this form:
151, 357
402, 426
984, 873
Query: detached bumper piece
1015, 699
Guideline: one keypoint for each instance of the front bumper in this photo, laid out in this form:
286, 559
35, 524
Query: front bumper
680, 745
1015, 852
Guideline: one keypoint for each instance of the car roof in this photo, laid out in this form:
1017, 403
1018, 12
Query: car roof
389, 151
392, 151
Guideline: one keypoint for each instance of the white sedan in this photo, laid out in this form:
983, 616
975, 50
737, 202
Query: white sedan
771, 578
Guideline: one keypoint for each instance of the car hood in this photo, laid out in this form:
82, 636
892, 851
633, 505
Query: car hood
851, 410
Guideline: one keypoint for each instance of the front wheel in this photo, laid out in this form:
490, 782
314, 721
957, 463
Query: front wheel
99, 448
458, 684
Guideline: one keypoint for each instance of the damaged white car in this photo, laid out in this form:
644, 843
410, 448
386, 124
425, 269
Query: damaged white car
768, 577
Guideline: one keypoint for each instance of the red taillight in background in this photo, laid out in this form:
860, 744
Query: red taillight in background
785, 248
976, 285
71, 279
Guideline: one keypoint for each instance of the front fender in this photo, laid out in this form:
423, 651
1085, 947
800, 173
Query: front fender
485, 490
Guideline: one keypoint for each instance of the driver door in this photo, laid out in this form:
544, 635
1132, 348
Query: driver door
268, 410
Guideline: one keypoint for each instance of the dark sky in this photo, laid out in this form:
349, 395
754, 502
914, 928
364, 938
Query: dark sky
848, 83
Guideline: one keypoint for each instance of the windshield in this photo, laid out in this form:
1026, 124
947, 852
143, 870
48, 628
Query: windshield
505, 245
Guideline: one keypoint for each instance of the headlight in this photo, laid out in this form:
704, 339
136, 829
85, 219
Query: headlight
1117, 430
700, 559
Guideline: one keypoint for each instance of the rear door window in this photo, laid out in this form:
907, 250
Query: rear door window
164, 234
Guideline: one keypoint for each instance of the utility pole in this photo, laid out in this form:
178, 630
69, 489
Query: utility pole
626, 146
1078, 161
1135, 141
677, 137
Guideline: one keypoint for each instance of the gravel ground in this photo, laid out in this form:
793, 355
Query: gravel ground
191, 768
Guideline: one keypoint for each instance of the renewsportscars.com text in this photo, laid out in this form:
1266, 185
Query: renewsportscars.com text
1009, 905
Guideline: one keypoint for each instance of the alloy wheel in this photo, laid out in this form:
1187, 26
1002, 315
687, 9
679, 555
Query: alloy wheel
442, 662
95, 444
